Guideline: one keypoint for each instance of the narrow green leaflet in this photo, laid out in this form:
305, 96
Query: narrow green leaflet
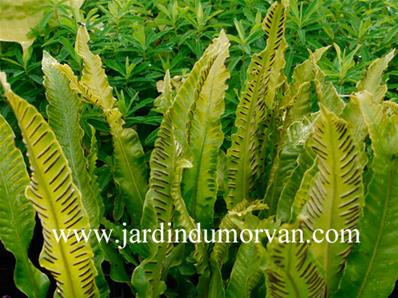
336, 196
17, 216
372, 266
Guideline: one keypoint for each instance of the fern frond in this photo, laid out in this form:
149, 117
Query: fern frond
336, 196
64, 118
291, 272
371, 268
17, 216
57, 202
205, 138
246, 155
129, 169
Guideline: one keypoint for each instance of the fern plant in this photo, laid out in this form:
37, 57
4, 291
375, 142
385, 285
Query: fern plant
301, 157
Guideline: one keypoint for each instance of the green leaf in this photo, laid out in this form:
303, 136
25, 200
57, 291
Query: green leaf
64, 118
248, 269
168, 159
301, 197
57, 202
166, 168
290, 148
19, 17
17, 216
130, 170
372, 266
291, 271
233, 221
205, 138
292, 185
93, 75
245, 157
336, 195
297, 101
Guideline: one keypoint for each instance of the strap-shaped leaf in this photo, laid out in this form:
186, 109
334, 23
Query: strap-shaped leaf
163, 102
57, 202
130, 170
292, 272
17, 216
297, 100
205, 139
184, 220
295, 108
290, 146
245, 157
247, 271
237, 219
166, 163
337, 192
301, 197
64, 118
192, 87
159, 205
19, 17
371, 270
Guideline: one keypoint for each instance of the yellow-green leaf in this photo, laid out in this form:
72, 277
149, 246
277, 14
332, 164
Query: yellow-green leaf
205, 138
245, 157
371, 270
336, 194
57, 202
17, 216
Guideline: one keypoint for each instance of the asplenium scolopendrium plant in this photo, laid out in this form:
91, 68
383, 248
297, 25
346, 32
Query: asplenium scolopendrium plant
300, 157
